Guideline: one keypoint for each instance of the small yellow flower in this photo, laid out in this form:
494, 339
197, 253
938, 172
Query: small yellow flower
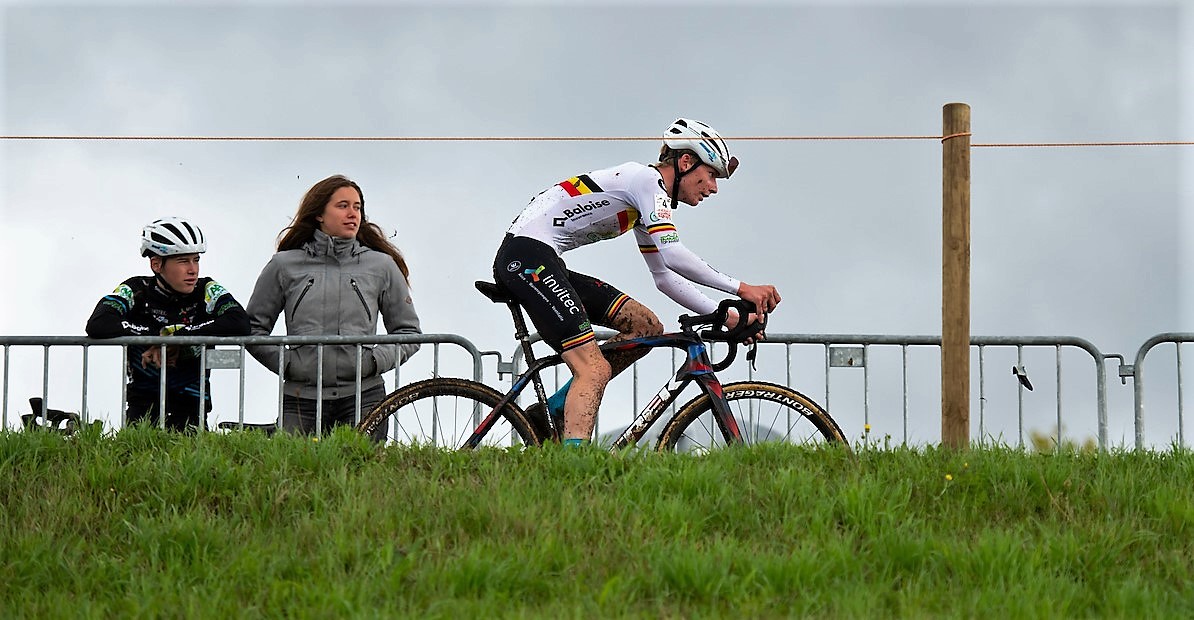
948, 477
965, 465
866, 428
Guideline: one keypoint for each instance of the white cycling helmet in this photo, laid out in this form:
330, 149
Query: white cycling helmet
171, 236
688, 135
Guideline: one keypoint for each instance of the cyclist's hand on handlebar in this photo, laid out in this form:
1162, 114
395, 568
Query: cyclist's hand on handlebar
732, 320
764, 296
762, 335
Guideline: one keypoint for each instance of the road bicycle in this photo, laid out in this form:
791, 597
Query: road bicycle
465, 414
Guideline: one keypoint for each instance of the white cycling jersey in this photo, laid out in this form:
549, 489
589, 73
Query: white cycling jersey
605, 204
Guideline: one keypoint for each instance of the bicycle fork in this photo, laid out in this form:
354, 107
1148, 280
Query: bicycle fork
701, 369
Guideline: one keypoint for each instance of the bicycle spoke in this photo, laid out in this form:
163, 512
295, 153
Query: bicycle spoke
444, 412
764, 412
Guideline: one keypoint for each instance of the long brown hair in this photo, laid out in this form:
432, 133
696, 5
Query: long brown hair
302, 227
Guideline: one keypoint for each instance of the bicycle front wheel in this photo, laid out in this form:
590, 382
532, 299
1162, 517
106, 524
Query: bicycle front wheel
444, 412
764, 412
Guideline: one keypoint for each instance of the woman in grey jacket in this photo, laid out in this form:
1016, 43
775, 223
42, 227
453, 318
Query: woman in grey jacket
334, 272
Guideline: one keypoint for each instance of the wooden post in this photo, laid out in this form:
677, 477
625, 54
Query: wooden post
955, 276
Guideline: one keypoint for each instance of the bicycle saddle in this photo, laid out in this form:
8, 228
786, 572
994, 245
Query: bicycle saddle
496, 293
60, 421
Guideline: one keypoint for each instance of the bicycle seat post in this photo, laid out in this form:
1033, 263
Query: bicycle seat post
498, 294
524, 339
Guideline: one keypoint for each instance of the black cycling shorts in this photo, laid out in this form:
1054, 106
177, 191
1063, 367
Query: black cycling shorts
562, 304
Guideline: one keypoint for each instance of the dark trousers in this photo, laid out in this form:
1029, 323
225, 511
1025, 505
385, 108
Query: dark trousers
183, 412
298, 414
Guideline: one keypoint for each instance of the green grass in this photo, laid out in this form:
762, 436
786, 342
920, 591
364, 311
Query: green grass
148, 524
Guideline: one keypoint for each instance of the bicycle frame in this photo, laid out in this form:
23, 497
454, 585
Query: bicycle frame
696, 368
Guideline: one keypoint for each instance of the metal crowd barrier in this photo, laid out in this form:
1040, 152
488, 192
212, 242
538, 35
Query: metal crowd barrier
218, 358
837, 352
1136, 372
854, 351
847, 350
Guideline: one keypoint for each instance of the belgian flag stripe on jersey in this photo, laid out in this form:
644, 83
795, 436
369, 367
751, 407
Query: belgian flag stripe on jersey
658, 228
588, 183
616, 306
578, 340
626, 220
647, 249
580, 185
570, 188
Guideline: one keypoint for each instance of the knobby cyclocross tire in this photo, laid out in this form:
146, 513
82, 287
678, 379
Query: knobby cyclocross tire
444, 412
764, 412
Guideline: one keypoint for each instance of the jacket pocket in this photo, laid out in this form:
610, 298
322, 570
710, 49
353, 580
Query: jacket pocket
302, 294
300, 364
361, 296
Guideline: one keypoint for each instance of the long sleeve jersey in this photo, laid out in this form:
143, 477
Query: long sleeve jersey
605, 204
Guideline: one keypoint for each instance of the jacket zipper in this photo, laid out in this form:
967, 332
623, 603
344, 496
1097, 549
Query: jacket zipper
360, 295
303, 294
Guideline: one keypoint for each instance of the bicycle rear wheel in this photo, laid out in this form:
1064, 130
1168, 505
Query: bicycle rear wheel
444, 412
763, 411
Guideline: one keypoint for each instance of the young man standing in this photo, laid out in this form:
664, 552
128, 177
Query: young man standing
174, 300
601, 205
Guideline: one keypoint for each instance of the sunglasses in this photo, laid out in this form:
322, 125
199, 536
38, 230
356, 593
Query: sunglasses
731, 166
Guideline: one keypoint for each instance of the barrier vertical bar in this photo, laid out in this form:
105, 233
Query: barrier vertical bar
827, 407
1181, 434
356, 391
788, 382
281, 387
392, 424
240, 409
162, 363
4, 415
84, 411
1020, 396
1057, 353
435, 417
319, 391
904, 354
955, 276
45, 384
202, 389
866, 384
982, 397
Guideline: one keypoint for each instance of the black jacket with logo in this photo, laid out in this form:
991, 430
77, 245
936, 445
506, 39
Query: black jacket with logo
142, 306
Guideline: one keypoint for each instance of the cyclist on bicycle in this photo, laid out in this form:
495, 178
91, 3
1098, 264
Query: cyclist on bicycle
600, 205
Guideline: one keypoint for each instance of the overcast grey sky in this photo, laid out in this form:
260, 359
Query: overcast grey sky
1085, 242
